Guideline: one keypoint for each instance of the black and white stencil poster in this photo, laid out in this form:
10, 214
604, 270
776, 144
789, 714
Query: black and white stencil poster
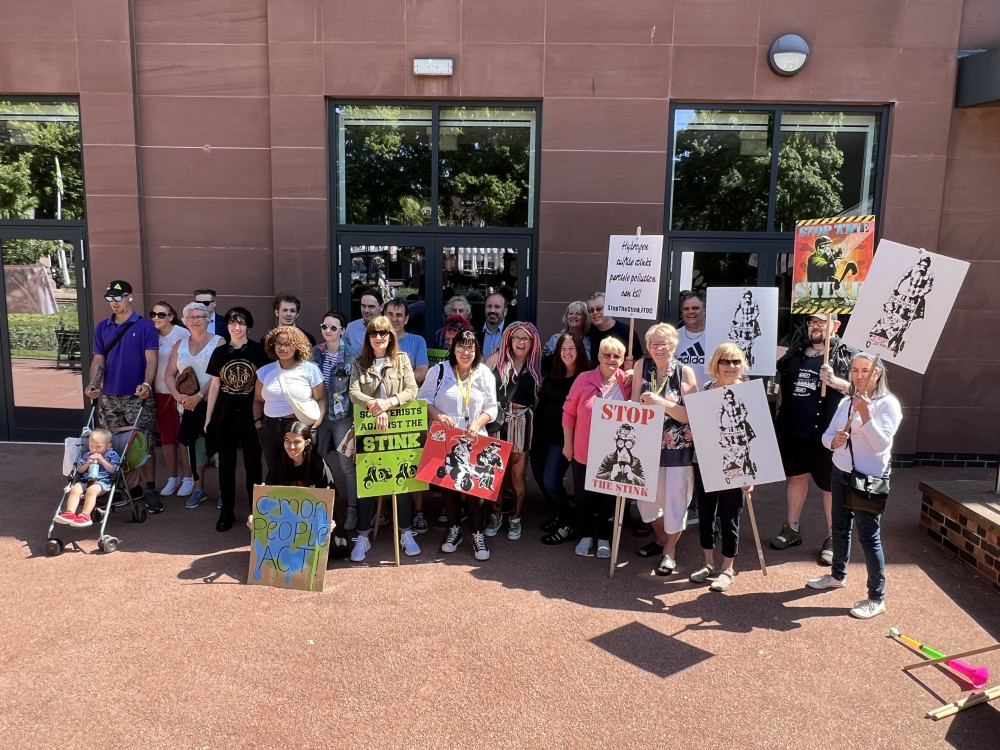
748, 317
624, 451
633, 286
905, 304
734, 436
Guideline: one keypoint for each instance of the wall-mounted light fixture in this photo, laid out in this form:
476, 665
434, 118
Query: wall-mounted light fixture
788, 54
433, 66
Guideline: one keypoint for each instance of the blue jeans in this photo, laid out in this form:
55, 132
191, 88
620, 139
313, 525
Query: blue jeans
869, 534
549, 467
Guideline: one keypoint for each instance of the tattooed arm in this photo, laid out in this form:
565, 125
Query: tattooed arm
93, 390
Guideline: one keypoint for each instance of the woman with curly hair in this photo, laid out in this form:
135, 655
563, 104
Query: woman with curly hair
516, 365
294, 374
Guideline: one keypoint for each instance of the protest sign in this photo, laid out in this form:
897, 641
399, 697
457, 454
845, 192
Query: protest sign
907, 299
747, 317
290, 537
436, 355
387, 461
624, 449
734, 436
832, 259
633, 284
455, 461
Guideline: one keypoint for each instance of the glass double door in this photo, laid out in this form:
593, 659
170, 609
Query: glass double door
428, 270
698, 264
46, 334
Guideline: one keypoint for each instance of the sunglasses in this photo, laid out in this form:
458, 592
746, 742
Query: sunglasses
731, 362
595, 309
325, 327
205, 301
160, 315
115, 297
378, 334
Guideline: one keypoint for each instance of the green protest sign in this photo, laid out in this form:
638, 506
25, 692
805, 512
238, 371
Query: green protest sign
436, 355
387, 461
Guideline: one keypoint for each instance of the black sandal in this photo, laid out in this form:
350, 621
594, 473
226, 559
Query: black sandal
653, 549
551, 525
555, 537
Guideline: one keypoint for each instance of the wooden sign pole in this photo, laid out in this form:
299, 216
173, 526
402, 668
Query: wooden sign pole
826, 352
756, 535
616, 534
868, 380
395, 526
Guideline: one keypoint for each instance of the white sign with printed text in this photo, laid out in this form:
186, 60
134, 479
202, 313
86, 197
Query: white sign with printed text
633, 287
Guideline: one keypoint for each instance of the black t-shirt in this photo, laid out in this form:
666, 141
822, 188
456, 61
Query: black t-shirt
619, 331
315, 473
549, 413
236, 369
803, 400
520, 389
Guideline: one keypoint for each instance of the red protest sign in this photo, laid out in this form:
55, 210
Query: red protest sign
453, 460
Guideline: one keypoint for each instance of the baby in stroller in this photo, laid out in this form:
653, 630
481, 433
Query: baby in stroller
94, 475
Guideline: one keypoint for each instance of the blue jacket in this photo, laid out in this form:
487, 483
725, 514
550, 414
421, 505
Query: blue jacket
339, 381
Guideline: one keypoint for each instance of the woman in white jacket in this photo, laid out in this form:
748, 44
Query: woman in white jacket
866, 446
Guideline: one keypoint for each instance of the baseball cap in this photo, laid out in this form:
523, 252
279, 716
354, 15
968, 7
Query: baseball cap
118, 287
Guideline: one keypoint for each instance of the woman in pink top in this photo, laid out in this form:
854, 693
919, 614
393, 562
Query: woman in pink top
593, 509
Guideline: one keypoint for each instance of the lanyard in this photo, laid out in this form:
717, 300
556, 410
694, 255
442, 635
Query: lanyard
652, 382
465, 393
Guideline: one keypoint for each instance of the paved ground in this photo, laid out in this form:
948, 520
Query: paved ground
161, 645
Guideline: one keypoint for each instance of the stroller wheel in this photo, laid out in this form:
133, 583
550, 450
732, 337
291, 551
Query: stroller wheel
107, 544
138, 513
53, 547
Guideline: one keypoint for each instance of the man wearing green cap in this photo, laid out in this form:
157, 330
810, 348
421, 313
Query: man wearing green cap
121, 375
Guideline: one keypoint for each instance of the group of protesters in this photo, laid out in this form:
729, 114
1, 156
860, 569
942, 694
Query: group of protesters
210, 390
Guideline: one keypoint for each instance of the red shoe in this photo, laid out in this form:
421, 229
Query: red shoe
67, 518
82, 520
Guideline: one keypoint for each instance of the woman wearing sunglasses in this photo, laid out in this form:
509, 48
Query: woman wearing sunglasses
168, 421
725, 368
660, 379
334, 358
382, 380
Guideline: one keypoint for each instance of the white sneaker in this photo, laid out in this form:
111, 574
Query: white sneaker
603, 548
409, 544
186, 488
361, 547
584, 545
479, 546
493, 526
867, 609
825, 582
351, 522
170, 487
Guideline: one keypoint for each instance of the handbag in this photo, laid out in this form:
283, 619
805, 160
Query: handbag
307, 411
187, 382
865, 492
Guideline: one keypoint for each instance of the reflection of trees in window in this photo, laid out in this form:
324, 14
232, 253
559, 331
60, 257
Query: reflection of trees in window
809, 184
386, 165
40, 176
485, 167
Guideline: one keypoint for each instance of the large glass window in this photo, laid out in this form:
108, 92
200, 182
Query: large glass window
727, 175
40, 160
479, 171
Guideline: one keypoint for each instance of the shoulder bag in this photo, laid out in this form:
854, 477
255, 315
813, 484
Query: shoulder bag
866, 492
306, 411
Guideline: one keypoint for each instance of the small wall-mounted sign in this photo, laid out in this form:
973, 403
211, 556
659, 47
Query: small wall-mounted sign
433, 66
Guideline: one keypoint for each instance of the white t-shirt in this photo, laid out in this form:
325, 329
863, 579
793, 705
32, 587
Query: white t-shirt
448, 398
691, 351
300, 380
166, 346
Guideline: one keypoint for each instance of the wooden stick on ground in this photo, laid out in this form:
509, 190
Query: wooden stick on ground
960, 655
616, 534
395, 526
756, 535
378, 513
968, 701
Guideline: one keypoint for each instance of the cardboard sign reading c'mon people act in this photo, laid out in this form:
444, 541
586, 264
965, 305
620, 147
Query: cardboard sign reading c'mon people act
633, 286
832, 258
905, 305
624, 449
290, 538
387, 461
455, 461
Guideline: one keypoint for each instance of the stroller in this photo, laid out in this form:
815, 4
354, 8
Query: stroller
132, 446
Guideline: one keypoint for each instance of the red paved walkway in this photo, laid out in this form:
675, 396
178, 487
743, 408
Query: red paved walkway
160, 645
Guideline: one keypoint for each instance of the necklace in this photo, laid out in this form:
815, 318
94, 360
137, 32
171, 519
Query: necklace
689, 337
465, 393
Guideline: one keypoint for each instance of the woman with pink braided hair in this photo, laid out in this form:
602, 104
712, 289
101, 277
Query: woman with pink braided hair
516, 365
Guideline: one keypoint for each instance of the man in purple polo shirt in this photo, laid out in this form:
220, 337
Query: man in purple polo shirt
121, 376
